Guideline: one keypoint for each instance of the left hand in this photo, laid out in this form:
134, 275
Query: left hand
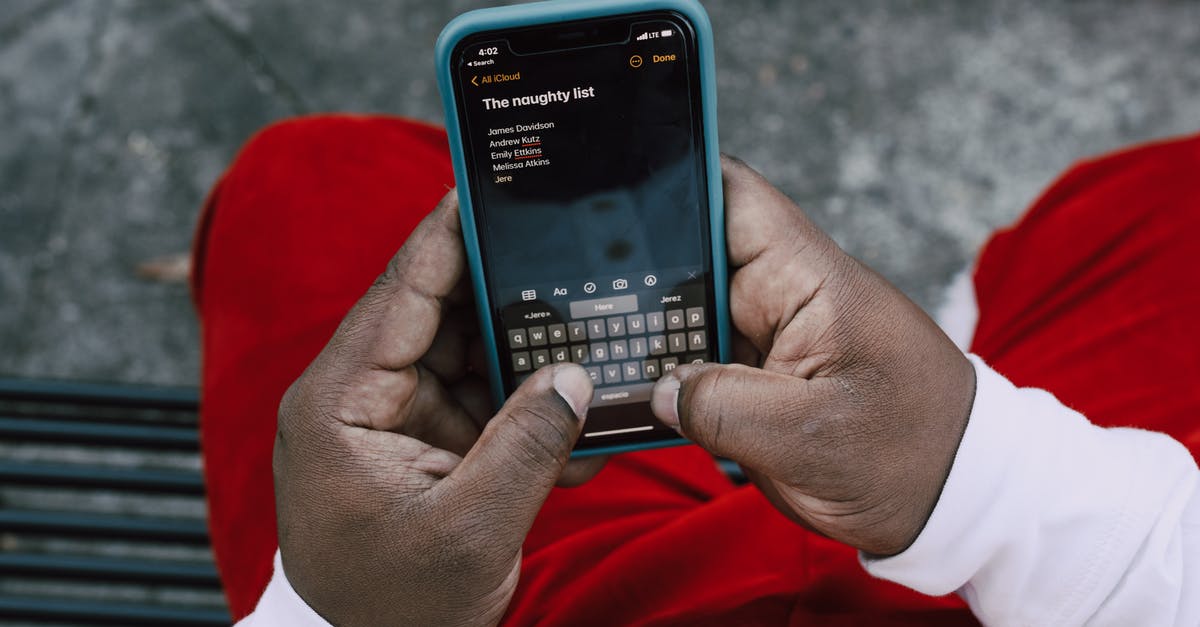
849, 403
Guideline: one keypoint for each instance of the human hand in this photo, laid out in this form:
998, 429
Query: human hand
849, 402
398, 500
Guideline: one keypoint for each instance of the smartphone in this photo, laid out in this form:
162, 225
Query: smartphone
583, 135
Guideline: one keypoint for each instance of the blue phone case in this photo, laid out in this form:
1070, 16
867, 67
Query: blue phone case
561, 11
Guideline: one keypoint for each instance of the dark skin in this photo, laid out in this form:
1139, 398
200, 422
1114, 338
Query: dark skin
848, 403
401, 499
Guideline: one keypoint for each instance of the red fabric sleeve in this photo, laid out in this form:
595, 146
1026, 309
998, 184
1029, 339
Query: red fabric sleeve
1094, 294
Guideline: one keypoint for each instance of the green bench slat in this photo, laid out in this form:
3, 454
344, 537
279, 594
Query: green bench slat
99, 433
78, 475
82, 393
109, 569
109, 613
103, 525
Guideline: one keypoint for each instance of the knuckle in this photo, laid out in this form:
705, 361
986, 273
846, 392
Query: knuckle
296, 411
538, 435
704, 406
288, 404
467, 537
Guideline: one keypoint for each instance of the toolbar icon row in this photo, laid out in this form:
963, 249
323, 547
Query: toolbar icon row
590, 287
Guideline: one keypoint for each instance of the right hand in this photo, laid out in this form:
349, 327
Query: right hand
849, 402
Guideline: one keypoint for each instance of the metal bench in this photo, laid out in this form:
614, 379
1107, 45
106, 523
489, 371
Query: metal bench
101, 507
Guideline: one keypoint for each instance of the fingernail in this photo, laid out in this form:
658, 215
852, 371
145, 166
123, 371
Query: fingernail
574, 386
664, 401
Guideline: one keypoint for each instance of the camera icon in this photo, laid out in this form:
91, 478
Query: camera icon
620, 284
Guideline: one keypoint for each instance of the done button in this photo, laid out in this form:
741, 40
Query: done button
663, 58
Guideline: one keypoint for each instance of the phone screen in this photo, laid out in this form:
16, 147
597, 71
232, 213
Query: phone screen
586, 159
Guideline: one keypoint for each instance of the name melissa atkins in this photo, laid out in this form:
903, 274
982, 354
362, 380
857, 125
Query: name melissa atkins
519, 165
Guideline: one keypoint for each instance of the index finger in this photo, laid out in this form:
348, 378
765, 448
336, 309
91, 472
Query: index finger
780, 259
395, 322
760, 218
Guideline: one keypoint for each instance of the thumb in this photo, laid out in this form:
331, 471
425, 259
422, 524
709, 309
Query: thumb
746, 414
525, 447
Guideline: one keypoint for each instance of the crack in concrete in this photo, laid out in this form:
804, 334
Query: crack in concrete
83, 107
10, 33
75, 120
248, 50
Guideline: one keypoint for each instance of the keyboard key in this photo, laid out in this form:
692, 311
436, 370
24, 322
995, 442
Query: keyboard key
577, 331
600, 352
677, 342
560, 354
579, 354
697, 358
618, 349
595, 329
631, 371
695, 317
521, 362
675, 319
557, 333
517, 338
607, 306
612, 373
537, 336
616, 326
658, 344
650, 369
541, 358
635, 324
669, 364
637, 347
594, 373
697, 340
654, 322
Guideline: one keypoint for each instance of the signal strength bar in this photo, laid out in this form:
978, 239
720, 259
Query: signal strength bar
642, 37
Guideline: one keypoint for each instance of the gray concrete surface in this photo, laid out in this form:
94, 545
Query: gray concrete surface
908, 129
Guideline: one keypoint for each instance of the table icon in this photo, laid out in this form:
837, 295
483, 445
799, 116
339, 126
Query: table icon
528, 294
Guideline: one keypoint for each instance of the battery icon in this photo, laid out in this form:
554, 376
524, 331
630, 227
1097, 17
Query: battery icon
666, 33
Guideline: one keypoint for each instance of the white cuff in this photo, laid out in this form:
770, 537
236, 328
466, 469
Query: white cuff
1046, 519
280, 605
